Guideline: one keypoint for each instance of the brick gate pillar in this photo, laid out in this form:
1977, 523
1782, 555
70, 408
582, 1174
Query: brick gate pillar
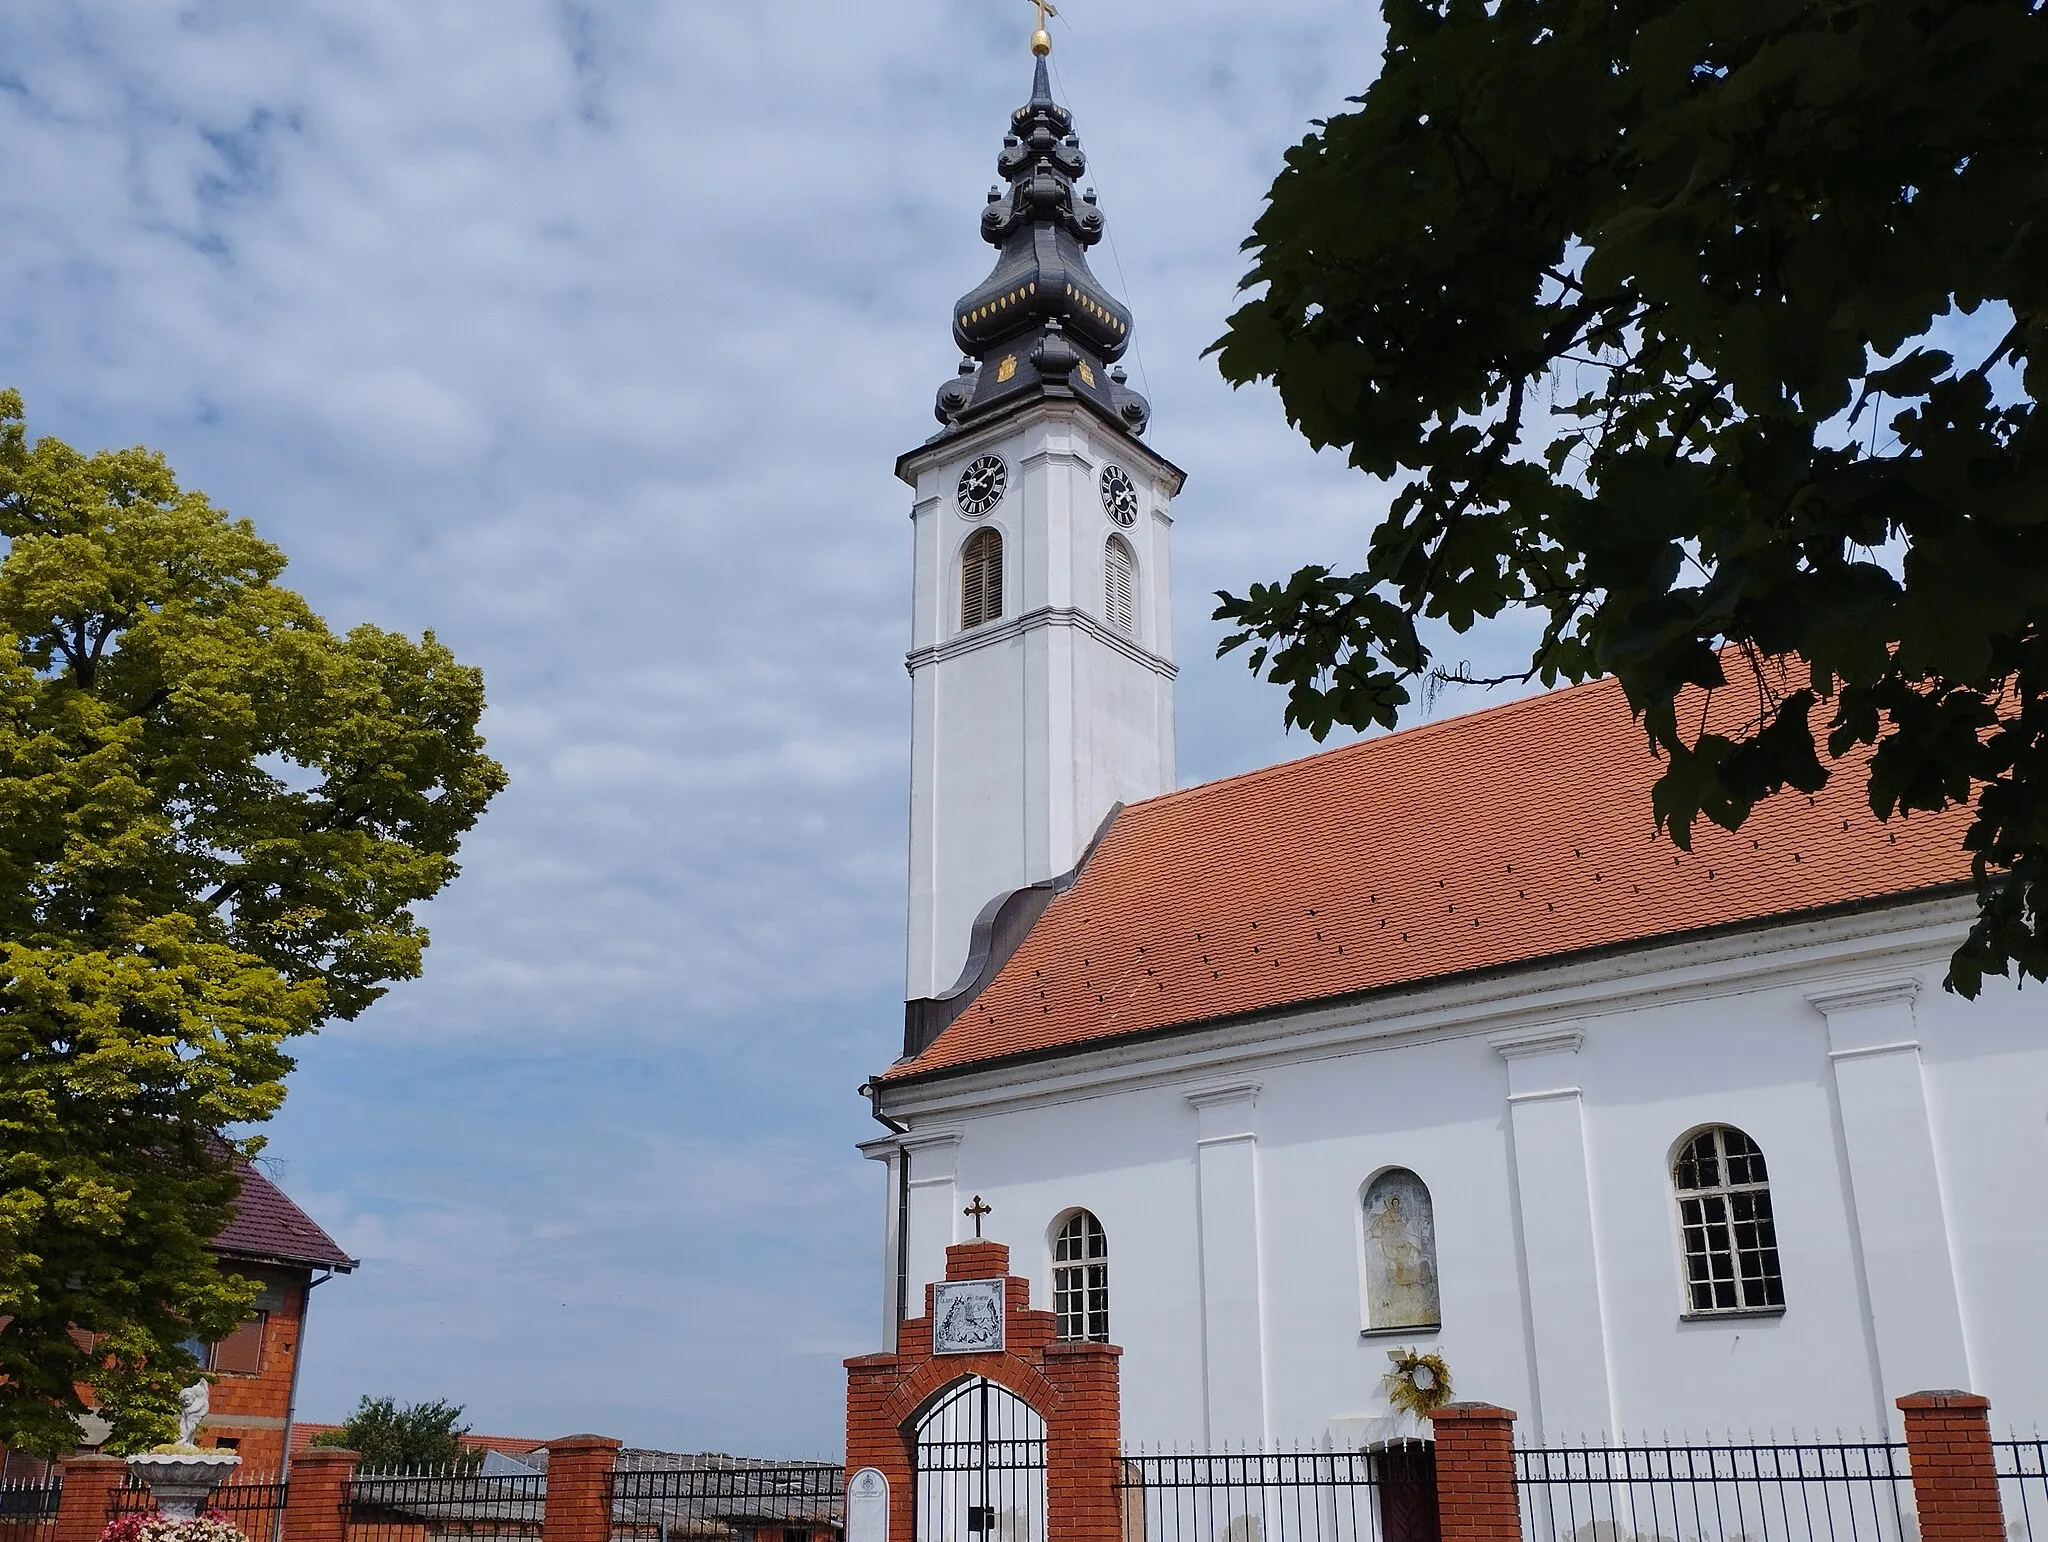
86, 1503
316, 1494
1955, 1481
875, 1439
1083, 1444
1073, 1387
579, 1491
1475, 1473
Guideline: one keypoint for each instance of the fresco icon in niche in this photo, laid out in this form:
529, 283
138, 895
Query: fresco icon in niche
1400, 1252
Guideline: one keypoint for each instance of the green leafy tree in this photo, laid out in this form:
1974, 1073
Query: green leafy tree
216, 819
1645, 308
393, 1437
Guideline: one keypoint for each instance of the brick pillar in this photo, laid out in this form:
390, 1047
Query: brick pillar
316, 1496
579, 1502
1475, 1473
1955, 1483
1083, 1444
872, 1440
979, 1258
87, 1501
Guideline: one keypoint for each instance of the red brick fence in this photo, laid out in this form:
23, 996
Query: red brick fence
1484, 1486
586, 1495
1944, 1482
983, 1373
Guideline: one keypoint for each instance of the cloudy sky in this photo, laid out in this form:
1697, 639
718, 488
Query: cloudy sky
585, 332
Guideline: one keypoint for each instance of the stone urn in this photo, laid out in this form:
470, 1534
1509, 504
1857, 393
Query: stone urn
181, 1480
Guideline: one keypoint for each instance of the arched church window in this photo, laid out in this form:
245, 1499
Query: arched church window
1120, 586
981, 578
1080, 1279
1400, 1252
1724, 1217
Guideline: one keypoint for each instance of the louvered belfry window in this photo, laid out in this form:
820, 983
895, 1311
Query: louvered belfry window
1080, 1280
981, 579
1120, 587
1724, 1215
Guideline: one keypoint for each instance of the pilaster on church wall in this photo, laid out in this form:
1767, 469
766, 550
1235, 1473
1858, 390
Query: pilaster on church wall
1982, 1065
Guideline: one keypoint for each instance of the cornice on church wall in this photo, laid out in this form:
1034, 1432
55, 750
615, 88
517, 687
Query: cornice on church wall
1828, 950
970, 442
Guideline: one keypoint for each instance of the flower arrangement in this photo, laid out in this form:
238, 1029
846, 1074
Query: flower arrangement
155, 1526
1418, 1382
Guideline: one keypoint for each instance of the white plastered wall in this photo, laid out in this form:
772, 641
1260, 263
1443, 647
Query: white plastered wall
1226, 1168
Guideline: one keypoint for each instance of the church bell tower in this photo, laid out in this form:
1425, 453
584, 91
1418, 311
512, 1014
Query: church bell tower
1041, 658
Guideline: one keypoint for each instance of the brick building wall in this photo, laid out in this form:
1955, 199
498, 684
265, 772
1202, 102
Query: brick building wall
251, 1396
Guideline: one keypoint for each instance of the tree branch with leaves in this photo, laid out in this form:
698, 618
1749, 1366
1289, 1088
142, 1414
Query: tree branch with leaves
217, 818
1736, 237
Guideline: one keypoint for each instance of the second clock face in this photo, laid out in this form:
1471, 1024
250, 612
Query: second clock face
982, 484
1119, 496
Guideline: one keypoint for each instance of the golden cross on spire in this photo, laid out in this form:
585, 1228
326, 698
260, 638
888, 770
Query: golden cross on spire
978, 1209
1041, 40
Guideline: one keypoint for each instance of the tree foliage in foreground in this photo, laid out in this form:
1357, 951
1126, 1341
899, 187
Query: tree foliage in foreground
394, 1438
216, 818
1721, 234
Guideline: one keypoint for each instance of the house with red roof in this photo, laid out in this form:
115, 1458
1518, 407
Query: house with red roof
255, 1370
1429, 1045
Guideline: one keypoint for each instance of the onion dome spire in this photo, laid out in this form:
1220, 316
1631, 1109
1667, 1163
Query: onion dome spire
1041, 324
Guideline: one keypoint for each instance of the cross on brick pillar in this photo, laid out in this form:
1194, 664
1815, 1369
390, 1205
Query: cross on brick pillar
1073, 1387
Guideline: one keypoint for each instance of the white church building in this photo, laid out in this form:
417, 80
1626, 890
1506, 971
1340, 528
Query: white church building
1423, 1043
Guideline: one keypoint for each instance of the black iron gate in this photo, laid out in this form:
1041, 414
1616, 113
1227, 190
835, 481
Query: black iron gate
981, 1467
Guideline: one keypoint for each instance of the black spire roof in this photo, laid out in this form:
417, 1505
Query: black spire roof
1041, 324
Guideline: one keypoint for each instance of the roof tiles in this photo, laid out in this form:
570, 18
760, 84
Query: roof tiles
267, 1225
1514, 834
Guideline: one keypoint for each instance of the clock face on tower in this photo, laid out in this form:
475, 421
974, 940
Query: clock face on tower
1119, 496
981, 485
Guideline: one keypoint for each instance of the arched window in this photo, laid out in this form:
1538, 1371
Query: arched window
1724, 1215
981, 579
1400, 1252
1119, 586
1080, 1279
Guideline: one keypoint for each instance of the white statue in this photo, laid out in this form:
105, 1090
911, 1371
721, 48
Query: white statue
193, 1406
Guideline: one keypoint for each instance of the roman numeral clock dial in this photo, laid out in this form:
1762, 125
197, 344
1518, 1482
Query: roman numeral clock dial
1119, 496
982, 485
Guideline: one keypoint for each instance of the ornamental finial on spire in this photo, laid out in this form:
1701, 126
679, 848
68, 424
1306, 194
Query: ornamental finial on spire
1041, 40
1041, 324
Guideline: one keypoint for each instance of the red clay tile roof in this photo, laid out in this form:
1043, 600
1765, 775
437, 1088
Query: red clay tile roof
1519, 833
267, 1225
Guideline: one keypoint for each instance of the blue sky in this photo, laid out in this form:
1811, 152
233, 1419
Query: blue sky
586, 333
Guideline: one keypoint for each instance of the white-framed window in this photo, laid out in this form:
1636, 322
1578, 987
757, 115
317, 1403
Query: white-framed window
1120, 586
1400, 1253
981, 579
1080, 1279
1725, 1224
